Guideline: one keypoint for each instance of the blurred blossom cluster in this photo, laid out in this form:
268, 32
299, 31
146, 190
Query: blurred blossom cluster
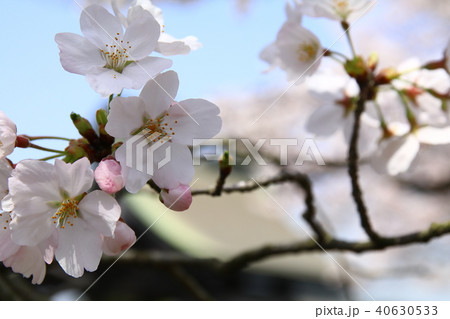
419, 92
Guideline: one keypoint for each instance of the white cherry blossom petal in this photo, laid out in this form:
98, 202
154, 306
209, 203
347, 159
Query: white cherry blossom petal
78, 248
99, 26
134, 179
33, 185
128, 111
326, 120
107, 81
142, 34
77, 54
433, 135
5, 173
196, 119
343, 10
29, 262
100, 211
75, 178
30, 229
144, 70
179, 170
8, 135
7, 246
169, 45
159, 93
396, 155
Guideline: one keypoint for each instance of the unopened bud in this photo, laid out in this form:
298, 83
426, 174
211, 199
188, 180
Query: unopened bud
372, 61
22, 141
101, 116
123, 238
224, 163
108, 176
386, 76
178, 199
84, 128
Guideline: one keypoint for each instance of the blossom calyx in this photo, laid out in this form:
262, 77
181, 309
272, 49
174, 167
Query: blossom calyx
385, 76
77, 149
357, 69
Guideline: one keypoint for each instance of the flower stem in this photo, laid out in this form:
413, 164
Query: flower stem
51, 157
33, 138
380, 116
346, 26
335, 54
408, 112
45, 149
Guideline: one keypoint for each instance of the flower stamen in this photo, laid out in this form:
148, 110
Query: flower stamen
68, 209
116, 55
307, 51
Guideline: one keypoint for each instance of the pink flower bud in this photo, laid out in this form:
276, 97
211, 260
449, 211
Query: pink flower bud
178, 198
108, 176
123, 239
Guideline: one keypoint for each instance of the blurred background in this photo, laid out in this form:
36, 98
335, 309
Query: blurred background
39, 96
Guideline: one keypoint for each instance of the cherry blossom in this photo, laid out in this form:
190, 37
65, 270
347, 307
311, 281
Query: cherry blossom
7, 247
166, 127
167, 44
337, 96
108, 176
124, 237
8, 135
29, 261
426, 89
296, 50
396, 153
178, 198
110, 58
343, 10
51, 204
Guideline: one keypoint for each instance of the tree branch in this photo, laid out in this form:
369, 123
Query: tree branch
353, 158
247, 258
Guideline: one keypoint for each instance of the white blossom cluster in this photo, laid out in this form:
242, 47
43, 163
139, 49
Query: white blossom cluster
56, 211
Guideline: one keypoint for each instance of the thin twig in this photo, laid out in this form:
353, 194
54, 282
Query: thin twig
353, 165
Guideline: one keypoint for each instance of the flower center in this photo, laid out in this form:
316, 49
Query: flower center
307, 51
341, 6
159, 129
67, 211
116, 54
